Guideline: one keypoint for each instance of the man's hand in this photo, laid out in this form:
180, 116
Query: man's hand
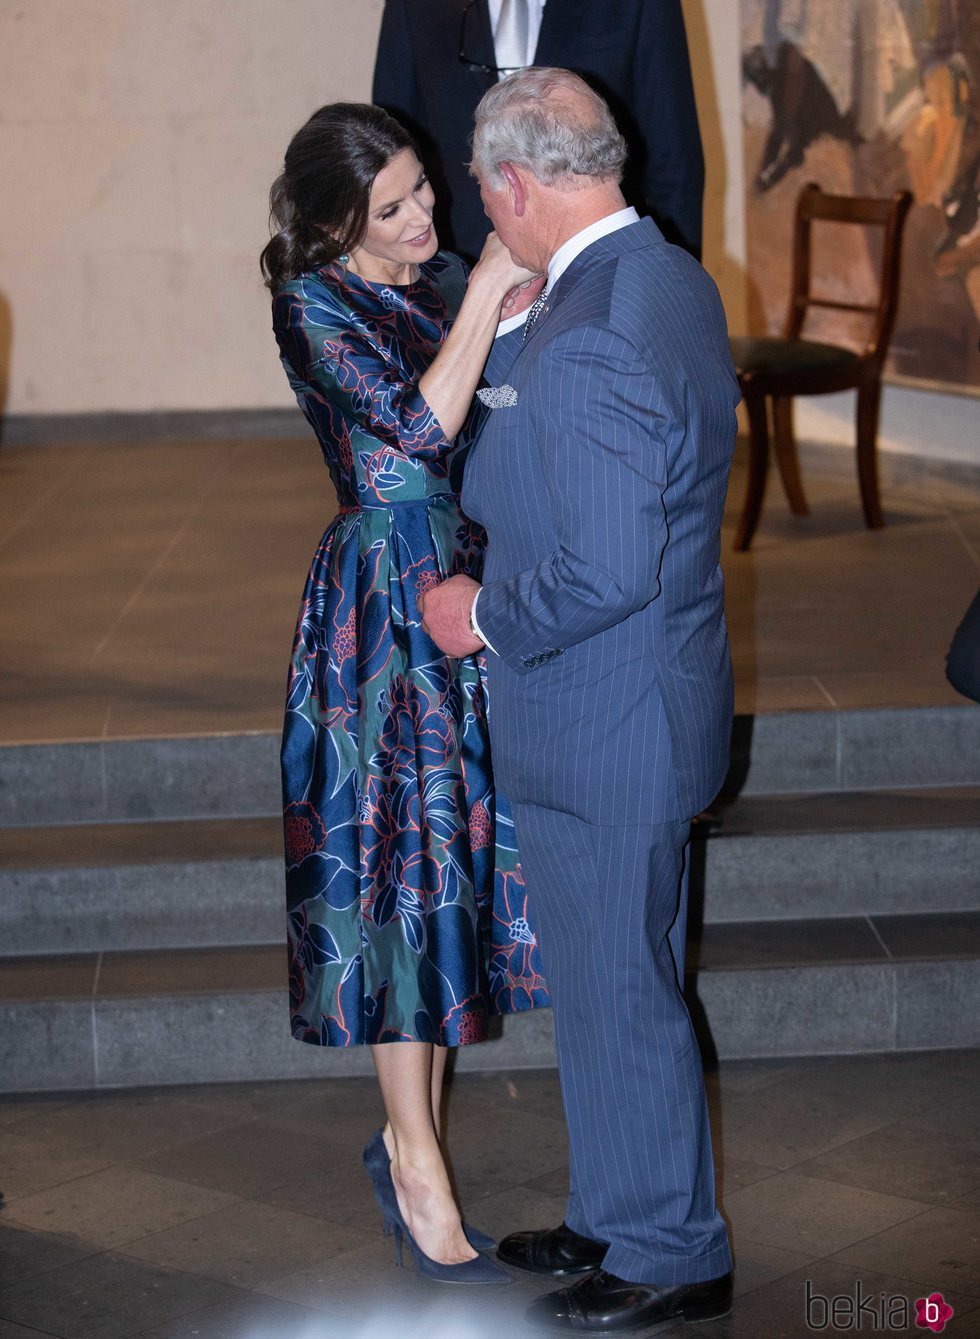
445, 611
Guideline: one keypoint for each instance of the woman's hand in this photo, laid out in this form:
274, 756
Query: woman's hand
520, 298
449, 384
497, 268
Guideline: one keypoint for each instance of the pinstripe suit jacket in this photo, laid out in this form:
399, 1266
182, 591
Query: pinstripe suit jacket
601, 491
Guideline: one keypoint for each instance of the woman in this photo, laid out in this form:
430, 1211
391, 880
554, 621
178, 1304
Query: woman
407, 923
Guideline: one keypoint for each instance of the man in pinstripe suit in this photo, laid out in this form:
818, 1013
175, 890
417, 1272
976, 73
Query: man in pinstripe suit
600, 476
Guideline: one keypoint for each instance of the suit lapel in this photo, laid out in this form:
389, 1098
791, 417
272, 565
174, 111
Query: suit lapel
639, 234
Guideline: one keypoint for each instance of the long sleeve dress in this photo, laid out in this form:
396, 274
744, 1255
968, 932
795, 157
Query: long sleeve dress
407, 915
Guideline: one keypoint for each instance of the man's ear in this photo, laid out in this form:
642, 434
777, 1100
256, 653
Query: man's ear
515, 185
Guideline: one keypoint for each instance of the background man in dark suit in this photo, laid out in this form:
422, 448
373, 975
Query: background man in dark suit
436, 59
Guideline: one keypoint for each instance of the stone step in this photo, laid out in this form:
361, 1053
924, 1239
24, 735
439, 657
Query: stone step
219, 882
237, 775
766, 988
168, 884
844, 854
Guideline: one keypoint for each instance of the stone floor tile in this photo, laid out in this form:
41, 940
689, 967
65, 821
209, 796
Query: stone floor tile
16, 1109
886, 1087
340, 1194
372, 1299
735, 1173
553, 1183
252, 1317
515, 1209
786, 1125
117, 1126
8, 1330
939, 1249
120, 1204
890, 688
347, 1111
534, 1091
957, 1110
25, 1253
787, 692
505, 1150
752, 1076
906, 1159
757, 1264
815, 1217
246, 1101
249, 1245
106, 1297
788, 621
29, 1164
247, 1158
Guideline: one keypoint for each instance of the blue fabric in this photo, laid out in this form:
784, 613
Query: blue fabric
640, 1163
602, 492
407, 916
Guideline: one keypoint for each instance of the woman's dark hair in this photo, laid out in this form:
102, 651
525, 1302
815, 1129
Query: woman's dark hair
319, 203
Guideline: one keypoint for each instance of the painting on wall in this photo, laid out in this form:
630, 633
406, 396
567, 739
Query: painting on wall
867, 97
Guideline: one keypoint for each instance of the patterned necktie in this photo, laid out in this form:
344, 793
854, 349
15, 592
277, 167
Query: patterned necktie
534, 311
510, 35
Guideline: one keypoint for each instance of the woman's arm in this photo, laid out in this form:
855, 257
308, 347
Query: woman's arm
344, 367
450, 383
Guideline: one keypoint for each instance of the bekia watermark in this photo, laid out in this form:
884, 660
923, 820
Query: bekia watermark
875, 1311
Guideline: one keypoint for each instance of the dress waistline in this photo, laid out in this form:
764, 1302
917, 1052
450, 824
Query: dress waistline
351, 509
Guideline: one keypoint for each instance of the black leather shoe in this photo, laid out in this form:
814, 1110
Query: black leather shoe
603, 1303
555, 1250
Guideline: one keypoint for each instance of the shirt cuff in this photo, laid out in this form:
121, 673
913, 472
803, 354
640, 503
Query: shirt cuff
477, 630
511, 323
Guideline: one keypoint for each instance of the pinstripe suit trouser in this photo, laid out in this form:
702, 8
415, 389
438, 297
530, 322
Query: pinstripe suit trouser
641, 1170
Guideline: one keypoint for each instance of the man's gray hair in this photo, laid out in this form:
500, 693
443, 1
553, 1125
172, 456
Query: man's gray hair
550, 122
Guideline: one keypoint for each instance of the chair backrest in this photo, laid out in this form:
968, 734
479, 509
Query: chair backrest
863, 211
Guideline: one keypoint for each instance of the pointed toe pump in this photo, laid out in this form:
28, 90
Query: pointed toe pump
377, 1164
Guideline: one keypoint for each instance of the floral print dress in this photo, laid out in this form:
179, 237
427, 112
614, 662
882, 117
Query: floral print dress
407, 915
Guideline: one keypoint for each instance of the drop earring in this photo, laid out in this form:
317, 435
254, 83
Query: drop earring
344, 259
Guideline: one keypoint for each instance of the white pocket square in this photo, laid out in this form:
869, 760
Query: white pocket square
497, 397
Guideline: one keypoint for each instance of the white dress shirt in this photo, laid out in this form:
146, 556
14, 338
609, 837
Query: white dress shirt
535, 12
557, 266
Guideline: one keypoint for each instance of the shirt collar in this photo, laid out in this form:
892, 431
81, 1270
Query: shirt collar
568, 251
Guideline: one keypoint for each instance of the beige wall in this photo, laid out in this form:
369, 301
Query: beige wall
137, 145
138, 141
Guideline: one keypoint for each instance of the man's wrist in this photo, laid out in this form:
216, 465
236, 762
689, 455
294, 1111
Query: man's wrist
475, 626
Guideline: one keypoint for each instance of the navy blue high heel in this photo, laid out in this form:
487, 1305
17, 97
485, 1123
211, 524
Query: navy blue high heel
377, 1164
376, 1160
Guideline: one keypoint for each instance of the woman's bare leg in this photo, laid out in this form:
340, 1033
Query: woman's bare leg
440, 1055
406, 1072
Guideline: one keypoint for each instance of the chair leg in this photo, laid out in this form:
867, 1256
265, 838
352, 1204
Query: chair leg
786, 457
868, 402
758, 465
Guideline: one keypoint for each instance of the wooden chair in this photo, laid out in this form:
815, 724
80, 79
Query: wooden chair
778, 368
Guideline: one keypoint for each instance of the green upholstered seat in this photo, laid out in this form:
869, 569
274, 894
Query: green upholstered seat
772, 354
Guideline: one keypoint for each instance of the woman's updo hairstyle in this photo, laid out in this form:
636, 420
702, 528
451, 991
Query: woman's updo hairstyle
319, 203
